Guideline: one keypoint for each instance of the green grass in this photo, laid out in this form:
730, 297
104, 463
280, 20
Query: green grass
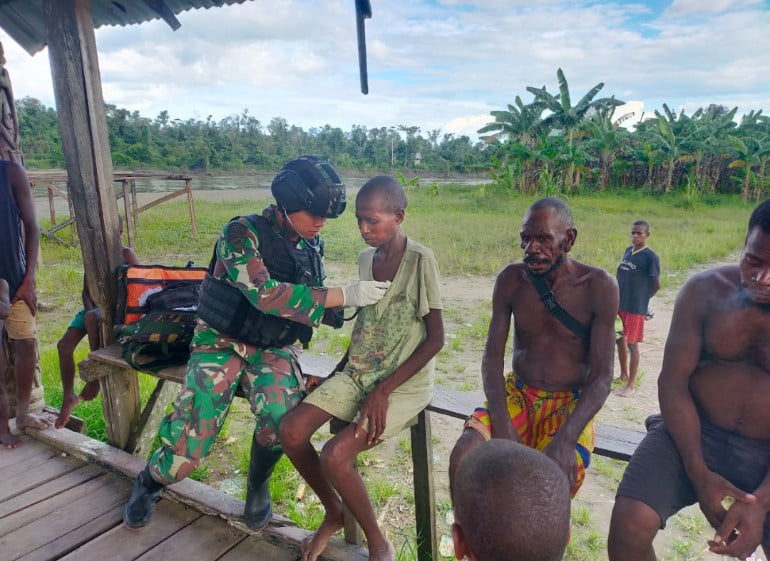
472, 232
483, 237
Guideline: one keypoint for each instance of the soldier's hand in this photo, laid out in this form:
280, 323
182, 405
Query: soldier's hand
364, 293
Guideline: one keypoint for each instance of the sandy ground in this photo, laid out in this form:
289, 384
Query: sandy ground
597, 493
471, 296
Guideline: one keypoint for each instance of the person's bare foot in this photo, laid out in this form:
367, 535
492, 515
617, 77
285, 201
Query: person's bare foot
386, 554
69, 403
28, 420
8, 440
90, 391
625, 391
314, 544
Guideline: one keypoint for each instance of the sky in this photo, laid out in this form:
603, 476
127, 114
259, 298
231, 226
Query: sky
435, 64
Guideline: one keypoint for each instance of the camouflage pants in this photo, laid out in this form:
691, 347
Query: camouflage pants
270, 378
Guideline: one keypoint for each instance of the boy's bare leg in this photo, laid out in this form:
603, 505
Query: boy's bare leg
92, 317
337, 463
24, 370
6, 438
296, 429
66, 349
623, 359
628, 389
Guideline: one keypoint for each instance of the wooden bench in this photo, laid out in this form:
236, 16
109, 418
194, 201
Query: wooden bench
134, 430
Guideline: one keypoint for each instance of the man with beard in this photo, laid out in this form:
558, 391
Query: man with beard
561, 375
712, 441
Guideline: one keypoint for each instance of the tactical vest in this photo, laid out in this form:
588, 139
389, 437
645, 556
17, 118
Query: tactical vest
226, 309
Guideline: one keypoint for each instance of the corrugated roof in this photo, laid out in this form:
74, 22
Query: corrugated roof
23, 19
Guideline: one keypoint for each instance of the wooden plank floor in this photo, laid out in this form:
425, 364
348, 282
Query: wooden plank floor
55, 506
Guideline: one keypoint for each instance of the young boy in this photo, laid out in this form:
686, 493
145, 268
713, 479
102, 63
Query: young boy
6, 438
386, 376
510, 502
85, 323
638, 281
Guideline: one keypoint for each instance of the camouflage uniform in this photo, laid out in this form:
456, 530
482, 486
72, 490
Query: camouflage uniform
219, 364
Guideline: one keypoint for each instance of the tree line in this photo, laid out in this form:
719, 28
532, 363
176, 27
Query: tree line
242, 142
546, 145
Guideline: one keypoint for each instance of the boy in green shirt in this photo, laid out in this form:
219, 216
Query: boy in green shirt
386, 376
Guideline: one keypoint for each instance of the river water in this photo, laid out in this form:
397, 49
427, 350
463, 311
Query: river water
224, 188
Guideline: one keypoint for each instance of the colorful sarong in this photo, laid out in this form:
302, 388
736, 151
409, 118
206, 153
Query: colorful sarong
537, 415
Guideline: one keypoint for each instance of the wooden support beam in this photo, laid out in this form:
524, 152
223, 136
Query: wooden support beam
424, 493
142, 439
121, 407
83, 127
160, 8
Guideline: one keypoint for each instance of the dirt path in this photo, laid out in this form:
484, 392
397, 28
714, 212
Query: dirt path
466, 314
686, 534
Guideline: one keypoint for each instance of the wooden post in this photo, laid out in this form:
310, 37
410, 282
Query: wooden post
120, 404
134, 204
424, 505
83, 126
51, 205
141, 441
128, 227
190, 205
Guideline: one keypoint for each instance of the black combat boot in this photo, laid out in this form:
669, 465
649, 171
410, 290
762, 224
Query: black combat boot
259, 508
141, 505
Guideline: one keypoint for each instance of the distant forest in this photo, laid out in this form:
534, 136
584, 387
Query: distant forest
242, 141
545, 145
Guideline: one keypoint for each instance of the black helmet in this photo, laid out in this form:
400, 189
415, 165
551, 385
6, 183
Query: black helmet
309, 183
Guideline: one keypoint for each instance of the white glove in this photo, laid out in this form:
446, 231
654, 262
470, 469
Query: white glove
363, 293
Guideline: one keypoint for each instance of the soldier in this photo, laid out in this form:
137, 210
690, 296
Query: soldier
264, 291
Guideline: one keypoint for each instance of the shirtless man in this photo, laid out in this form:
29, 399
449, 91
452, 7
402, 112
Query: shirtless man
561, 379
6, 438
713, 440
20, 243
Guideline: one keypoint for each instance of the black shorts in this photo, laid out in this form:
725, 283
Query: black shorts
656, 475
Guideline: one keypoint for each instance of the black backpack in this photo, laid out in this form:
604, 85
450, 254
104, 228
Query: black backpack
161, 337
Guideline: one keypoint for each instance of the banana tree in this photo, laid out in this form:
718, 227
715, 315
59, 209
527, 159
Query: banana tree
607, 140
518, 122
564, 117
751, 152
672, 148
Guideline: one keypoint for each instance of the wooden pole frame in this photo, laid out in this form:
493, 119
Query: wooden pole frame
83, 127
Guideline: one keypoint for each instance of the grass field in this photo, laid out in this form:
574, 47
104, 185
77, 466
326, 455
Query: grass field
472, 230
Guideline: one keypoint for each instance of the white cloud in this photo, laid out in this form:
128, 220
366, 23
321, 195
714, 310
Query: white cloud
442, 64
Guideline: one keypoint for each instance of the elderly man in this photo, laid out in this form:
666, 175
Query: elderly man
564, 313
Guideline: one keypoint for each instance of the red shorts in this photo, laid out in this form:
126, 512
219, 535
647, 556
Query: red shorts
633, 327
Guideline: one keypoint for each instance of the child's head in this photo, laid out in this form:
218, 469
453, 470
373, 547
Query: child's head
640, 231
380, 209
511, 503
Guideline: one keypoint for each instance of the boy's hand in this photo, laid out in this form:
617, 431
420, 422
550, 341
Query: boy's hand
26, 292
373, 415
312, 382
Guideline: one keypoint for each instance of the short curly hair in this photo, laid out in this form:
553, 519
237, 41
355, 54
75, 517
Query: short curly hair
760, 217
512, 503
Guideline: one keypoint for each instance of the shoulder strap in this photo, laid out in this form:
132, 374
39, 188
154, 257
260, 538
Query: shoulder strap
554, 308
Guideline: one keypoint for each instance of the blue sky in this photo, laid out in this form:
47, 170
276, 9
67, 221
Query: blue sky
436, 64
